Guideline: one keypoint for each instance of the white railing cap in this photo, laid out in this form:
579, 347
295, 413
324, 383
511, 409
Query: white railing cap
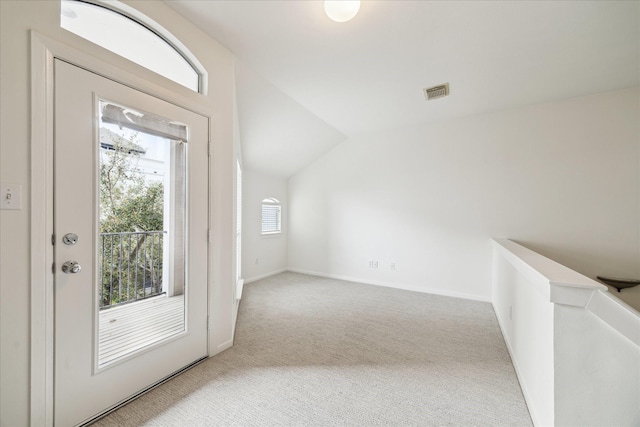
558, 283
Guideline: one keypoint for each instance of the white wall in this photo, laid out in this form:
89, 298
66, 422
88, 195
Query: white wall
561, 178
597, 372
262, 255
575, 346
17, 18
526, 320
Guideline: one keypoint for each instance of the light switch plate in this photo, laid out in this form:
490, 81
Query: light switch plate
10, 196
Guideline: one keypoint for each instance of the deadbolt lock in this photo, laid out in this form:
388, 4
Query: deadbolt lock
70, 239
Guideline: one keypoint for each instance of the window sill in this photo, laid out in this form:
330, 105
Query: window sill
271, 235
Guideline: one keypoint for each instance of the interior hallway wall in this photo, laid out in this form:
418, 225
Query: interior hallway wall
262, 255
561, 178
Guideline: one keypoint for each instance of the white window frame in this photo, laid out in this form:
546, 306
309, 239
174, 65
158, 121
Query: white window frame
274, 208
136, 17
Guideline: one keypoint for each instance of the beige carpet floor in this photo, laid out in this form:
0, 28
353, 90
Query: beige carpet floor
312, 351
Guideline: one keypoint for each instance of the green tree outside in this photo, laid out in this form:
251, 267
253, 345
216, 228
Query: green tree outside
131, 223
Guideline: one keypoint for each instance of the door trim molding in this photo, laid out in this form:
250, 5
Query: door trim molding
43, 52
41, 378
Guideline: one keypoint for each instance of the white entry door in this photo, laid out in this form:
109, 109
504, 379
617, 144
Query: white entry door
130, 242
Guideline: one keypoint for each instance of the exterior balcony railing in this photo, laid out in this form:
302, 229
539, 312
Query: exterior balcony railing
131, 266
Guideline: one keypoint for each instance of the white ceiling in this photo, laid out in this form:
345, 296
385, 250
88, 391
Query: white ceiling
305, 83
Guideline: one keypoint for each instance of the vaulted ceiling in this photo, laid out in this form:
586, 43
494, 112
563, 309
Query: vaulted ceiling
306, 83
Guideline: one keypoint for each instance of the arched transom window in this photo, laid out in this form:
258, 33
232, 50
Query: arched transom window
130, 39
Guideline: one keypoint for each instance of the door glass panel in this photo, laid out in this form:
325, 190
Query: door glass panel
141, 245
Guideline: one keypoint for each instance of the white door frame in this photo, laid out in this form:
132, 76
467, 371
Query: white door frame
43, 52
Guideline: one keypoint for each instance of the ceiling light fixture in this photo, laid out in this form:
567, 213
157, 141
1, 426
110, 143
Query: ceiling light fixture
341, 10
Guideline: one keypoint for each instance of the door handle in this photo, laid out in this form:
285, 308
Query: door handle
71, 267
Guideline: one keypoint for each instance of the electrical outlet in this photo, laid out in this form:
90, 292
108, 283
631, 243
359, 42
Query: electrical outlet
392, 266
11, 196
373, 264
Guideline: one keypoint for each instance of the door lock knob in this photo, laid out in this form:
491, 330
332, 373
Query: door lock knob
71, 267
70, 239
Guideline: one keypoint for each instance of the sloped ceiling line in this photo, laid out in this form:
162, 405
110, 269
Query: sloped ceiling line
308, 81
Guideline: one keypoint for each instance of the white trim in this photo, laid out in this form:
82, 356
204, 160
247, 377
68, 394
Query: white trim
270, 234
239, 288
181, 96
264, 276
404, 287
561, 285
41, 369
162, 32
43, 51
555, 282
222, 347
238, 226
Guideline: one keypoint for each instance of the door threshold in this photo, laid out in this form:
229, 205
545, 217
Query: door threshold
140, 393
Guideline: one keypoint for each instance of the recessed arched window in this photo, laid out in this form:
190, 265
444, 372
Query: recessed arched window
271, 216
146, 44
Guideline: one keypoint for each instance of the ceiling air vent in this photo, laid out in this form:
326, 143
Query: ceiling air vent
436, 92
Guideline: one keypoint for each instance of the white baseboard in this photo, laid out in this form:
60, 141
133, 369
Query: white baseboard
239, 288
264, 276
222, 347
395, 285
527, 397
